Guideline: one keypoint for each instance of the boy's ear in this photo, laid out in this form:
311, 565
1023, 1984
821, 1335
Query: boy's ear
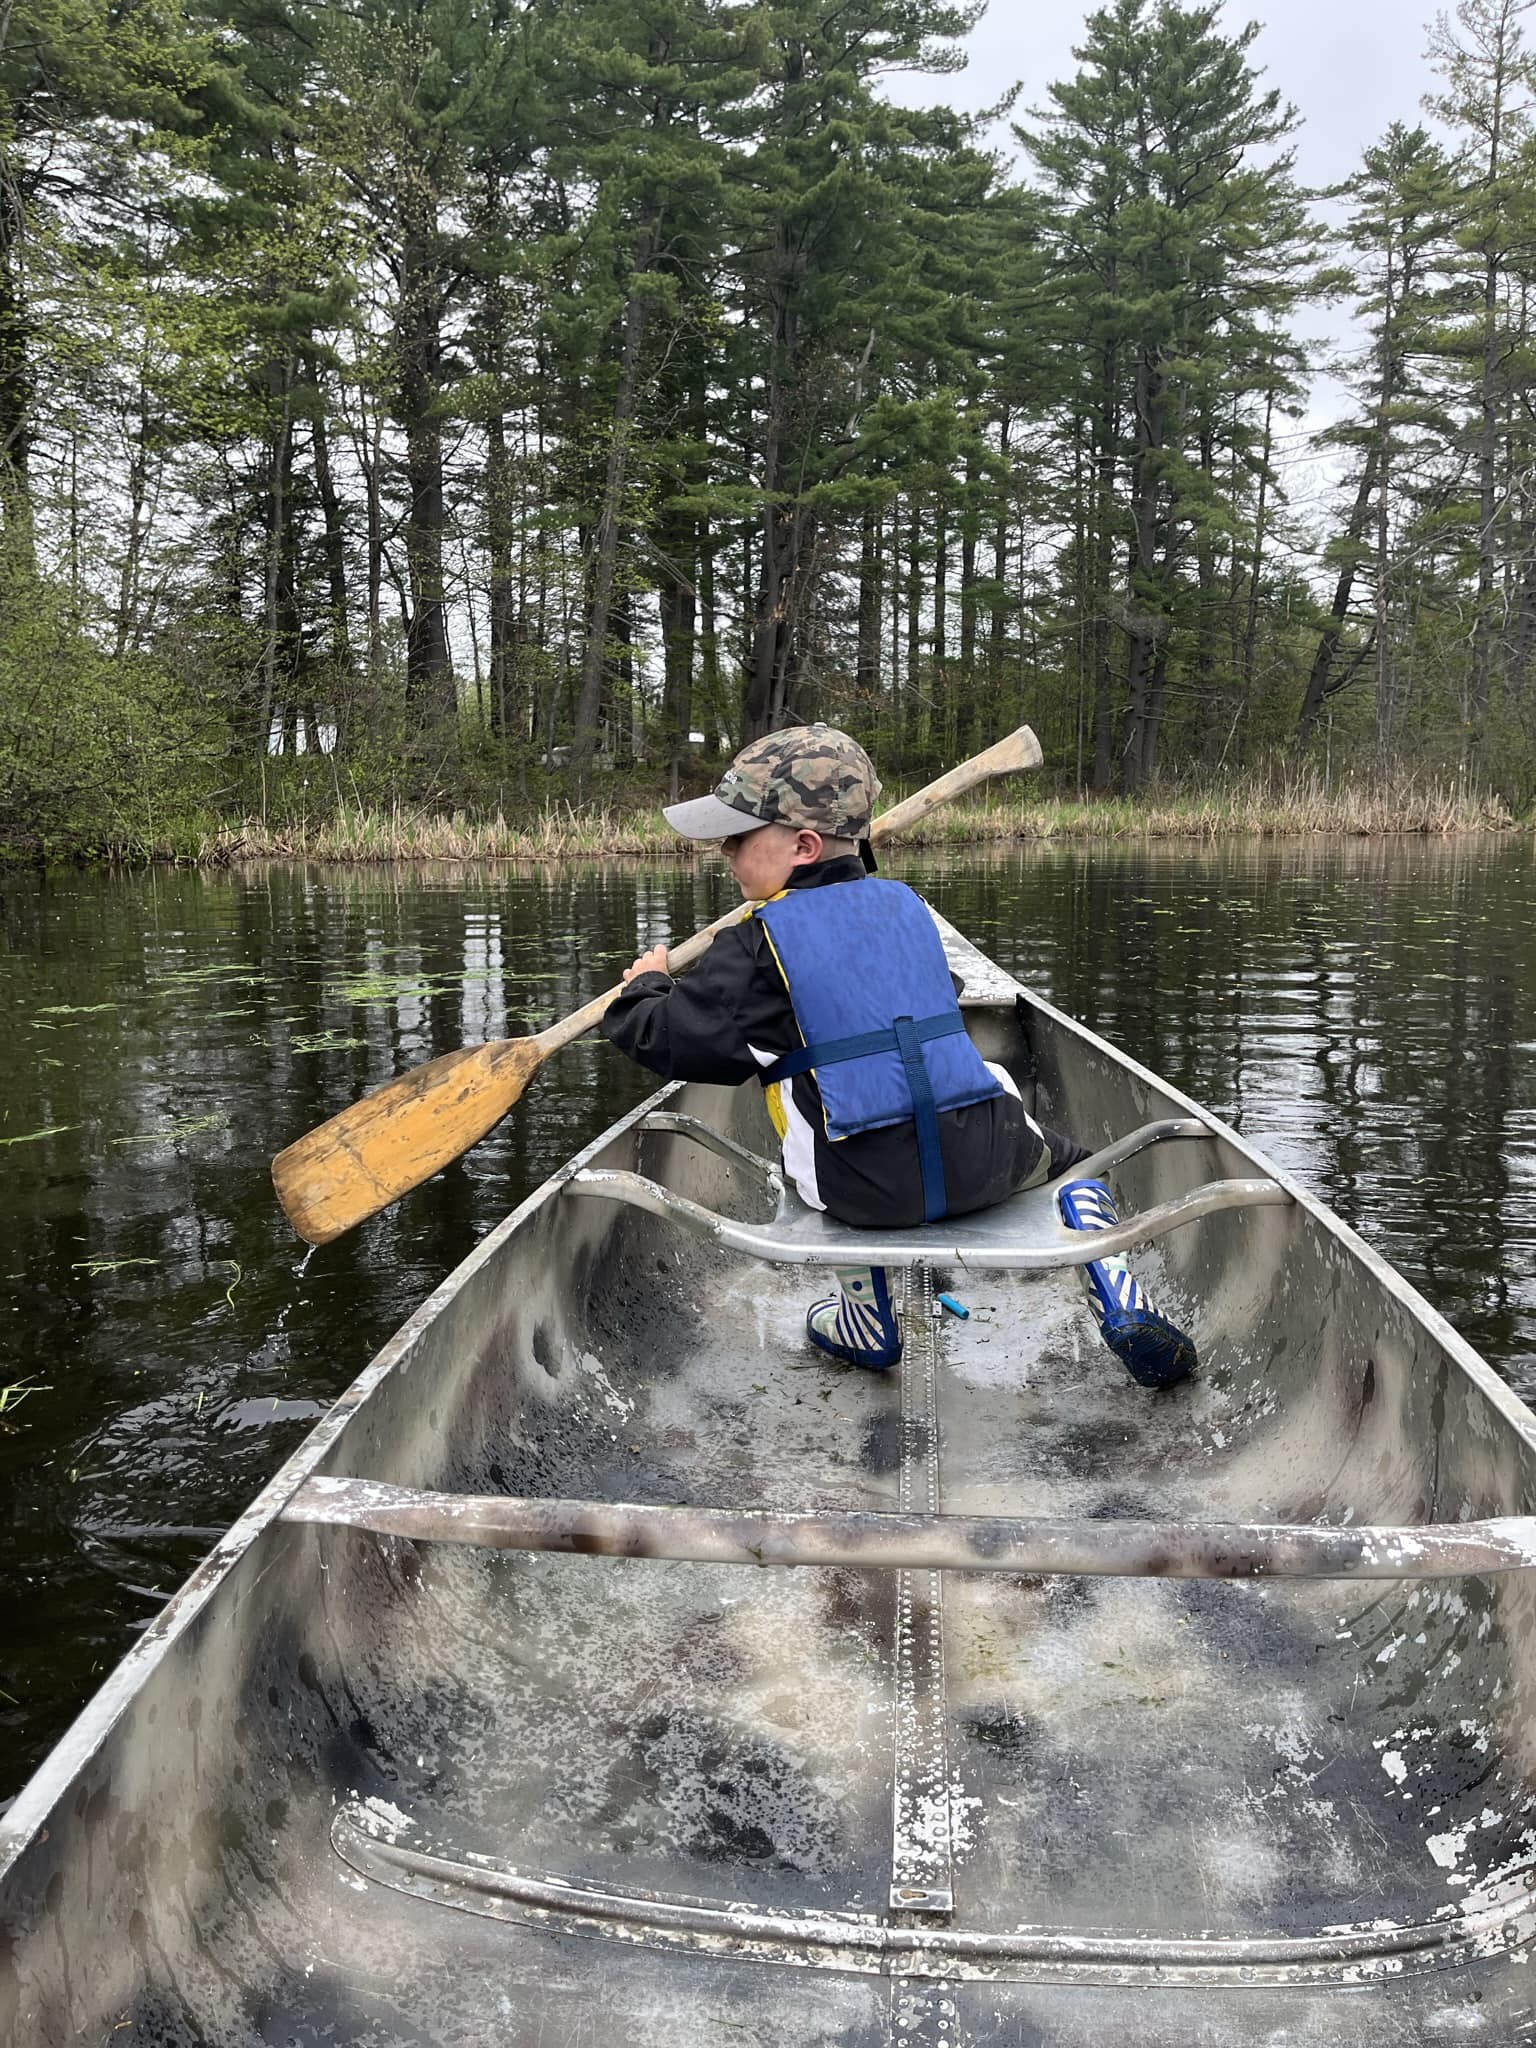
808, 847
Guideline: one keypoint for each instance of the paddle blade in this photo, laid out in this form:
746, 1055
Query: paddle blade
390, 1142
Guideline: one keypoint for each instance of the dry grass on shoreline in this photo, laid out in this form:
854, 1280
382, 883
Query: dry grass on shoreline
560, 832
369, 833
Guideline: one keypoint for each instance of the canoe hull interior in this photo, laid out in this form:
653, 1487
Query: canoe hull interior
357, 1788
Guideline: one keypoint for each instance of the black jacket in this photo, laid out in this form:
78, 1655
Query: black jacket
703, 1027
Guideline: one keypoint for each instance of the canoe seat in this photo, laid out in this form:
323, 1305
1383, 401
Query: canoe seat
1023, 1234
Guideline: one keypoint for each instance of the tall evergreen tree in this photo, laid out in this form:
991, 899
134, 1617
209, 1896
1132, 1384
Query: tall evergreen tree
822, 220
1185, 243
1489, 78
72, 74
1398, 238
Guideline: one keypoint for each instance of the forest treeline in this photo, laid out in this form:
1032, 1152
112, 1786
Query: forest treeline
473, 397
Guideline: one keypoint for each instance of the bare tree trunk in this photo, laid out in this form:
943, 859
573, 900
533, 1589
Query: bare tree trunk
772, 658
898, 627
1144, 625
334, 526
369, 448
1488, 395
1208, 599
506, 715
128, 575
915, 719
765, 662
622, 719
677, 596
1106, 442
1319, 683
1525, 633
867, 659
1260, 537
970, 707
713, 713
279, 464
997, 637
1386, 679
419, 349
1152, 723
939, 686
606, 539
16, 379
1487, 502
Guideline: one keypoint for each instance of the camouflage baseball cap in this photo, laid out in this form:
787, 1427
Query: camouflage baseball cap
810, 775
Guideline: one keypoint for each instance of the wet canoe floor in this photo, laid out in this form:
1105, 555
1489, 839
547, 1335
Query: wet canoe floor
787, 1740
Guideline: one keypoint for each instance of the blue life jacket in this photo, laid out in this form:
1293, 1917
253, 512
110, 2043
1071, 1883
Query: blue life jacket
872, 996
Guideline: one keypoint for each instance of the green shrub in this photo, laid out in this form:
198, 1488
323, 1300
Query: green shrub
97, 757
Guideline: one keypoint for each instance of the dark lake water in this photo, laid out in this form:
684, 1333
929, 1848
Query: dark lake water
1365, 1012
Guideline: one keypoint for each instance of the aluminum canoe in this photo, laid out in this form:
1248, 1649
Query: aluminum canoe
606, 1667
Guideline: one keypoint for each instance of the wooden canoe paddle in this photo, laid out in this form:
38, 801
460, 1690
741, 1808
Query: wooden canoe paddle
391, 1141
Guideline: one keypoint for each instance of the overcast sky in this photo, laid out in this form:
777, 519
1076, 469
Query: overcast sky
1349, 67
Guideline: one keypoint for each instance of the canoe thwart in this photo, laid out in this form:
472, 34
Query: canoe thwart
866, 1540
1116, 1154
675, 1124
1023, 1234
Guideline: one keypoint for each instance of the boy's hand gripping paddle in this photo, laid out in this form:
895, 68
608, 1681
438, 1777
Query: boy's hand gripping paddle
390, 1142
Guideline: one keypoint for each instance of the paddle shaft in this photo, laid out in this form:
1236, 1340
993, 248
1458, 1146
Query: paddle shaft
380, 1148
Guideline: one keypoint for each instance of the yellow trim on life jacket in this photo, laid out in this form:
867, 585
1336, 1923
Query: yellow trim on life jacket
773, 1092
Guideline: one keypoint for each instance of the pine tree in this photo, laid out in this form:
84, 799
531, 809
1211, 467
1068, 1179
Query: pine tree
649, 96
74, 76
1185, 243
827, 259
1489, 78
1398, 238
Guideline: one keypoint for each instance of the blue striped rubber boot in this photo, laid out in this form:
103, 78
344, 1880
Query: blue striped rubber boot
1155, 1352
857, 1324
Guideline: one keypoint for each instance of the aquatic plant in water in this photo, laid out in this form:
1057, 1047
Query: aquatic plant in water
183, 1127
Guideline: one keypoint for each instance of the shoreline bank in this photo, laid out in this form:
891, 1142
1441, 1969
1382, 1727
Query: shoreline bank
555, 830
399, 835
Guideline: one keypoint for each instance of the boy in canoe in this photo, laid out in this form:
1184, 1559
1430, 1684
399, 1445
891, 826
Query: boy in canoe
839, 1000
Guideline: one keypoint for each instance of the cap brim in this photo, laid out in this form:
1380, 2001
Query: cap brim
705, 817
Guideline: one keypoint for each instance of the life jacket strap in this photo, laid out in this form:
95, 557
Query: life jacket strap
907, 1036
926, 1116
831, 1052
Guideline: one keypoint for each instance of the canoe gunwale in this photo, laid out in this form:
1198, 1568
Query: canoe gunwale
880, 1541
